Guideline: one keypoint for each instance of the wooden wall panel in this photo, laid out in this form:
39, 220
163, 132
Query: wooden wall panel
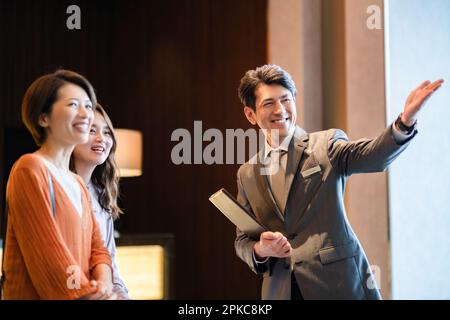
157, 66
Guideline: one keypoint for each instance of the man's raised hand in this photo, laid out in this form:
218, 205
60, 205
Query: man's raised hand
416, 100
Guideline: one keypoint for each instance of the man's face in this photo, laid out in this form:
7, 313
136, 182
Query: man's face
275, 109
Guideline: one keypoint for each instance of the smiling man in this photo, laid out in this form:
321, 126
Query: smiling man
310, 250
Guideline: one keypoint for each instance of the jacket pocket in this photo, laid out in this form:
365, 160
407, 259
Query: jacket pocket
336, 253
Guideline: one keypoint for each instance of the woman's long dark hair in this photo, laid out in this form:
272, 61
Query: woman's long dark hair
105, 177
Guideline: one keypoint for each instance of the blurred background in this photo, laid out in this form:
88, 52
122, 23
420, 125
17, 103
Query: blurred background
161, 65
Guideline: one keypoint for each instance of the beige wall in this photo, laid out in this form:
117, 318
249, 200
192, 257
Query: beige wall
338, 66
294, 44
367, 198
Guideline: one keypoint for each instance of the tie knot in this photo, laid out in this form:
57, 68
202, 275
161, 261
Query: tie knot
276, 156
278, 151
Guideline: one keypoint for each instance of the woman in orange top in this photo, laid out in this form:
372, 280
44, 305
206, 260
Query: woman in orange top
53, 247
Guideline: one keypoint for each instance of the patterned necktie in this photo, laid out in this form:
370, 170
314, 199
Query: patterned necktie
278, 177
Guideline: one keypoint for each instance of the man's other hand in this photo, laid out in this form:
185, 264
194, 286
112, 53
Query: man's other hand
272, 244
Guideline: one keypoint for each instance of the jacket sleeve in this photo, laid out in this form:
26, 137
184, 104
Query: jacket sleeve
49, 262
364, 155
243, 245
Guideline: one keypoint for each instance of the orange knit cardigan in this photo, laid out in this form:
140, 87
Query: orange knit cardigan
46, 257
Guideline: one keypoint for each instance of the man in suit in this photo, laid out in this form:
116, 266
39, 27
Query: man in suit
295, 186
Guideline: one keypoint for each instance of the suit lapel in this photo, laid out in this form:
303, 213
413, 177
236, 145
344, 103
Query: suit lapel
301, 190
296, 147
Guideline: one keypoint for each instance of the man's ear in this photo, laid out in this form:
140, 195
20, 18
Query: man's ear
250, 114
43, 120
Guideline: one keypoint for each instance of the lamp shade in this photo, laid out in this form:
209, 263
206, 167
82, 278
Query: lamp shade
129, 152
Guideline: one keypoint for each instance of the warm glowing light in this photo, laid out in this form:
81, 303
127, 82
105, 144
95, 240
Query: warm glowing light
129, 152
142, 270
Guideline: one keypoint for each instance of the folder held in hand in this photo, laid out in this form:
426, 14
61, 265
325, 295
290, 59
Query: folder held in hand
242, 219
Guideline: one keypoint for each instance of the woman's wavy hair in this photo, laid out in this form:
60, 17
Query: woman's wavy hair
105, 177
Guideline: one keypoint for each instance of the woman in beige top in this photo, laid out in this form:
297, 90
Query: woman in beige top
94, 162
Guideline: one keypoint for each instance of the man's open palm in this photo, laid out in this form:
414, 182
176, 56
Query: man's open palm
416, 99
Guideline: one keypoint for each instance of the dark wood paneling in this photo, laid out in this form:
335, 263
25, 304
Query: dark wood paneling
157, 66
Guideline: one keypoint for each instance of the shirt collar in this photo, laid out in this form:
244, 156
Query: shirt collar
283, 146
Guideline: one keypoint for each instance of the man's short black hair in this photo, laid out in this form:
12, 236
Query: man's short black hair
266, 74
